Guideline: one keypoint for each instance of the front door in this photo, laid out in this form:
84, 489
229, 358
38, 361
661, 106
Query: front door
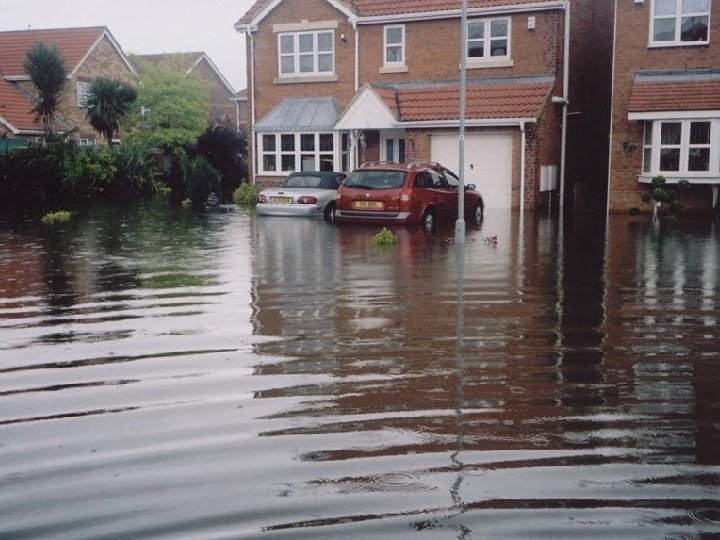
393, 146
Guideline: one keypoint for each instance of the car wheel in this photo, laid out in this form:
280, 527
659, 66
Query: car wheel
428, 220
477, 214
329, 214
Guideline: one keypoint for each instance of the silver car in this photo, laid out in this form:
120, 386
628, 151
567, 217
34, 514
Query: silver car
307, 193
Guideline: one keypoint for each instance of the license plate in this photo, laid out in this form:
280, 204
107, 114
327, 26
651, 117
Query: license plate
281, 200
368, 204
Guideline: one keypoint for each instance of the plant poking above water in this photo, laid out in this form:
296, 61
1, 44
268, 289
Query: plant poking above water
52, 218
660, 193
384, 238
246, 194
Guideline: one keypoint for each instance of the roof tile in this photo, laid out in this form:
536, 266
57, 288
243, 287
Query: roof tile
16, 108
72, 43
675, 96
484, 100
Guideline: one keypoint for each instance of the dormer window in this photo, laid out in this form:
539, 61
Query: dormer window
680, 22
306, 53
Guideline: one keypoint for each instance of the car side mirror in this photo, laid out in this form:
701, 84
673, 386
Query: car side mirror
470, 186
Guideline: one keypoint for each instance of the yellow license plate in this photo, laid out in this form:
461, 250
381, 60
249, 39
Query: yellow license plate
368, 204
281, 200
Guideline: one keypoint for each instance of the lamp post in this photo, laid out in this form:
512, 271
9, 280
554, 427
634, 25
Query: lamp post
460, 223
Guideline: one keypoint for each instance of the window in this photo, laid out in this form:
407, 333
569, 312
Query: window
83, 89
290, 152
681, 147
394, 45
306, 53
678, 22
488, 38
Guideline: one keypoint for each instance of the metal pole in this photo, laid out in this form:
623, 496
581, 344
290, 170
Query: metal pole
460, 223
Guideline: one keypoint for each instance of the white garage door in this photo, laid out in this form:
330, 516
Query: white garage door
488, 163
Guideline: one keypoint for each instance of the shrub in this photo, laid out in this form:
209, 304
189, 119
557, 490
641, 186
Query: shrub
384, 238
87, 173
52, 218
246, 194
225, 150
137, 172
199, 177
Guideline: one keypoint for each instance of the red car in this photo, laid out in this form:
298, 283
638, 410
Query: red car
381, 192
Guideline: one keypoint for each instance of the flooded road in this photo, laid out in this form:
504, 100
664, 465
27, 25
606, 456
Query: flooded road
165, 374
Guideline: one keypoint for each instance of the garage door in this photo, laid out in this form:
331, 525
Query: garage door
488, 163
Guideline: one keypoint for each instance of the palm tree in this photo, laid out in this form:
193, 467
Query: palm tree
107, 104
46, 69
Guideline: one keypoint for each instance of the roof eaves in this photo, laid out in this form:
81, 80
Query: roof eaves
105, 33
10, 126
456, 13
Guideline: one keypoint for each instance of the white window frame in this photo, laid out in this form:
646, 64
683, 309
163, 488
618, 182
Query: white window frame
386, 45
297, 152
392, 137
83, 89
487, 60
684, 147
677, 17
296, 54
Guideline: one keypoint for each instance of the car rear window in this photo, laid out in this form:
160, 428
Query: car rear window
376, 179
302, 182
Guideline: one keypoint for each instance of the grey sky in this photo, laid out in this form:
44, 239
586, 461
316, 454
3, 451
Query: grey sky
147, 26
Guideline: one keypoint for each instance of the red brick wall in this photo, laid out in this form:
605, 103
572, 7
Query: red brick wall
222, 110
104, 61
632, 54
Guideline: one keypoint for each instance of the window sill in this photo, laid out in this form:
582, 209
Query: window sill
393, 69
308, 79
674, 44
490, 63
706, 179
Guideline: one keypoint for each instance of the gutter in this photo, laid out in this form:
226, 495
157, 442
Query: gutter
500, 122
453, 13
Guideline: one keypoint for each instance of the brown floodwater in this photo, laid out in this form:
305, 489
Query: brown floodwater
171, 374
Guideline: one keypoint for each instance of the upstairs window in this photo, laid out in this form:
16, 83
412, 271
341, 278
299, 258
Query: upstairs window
394, 45
306, 53
83, 89
680, 22
488, 39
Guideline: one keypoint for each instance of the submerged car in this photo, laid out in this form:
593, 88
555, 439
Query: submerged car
381, 192
309, 194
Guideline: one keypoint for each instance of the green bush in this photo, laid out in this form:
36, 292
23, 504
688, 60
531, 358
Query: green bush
199, 177
52, 218
384, 238
137, 174
87, 173
246, 194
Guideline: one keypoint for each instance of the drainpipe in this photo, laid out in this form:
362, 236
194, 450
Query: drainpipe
523, 137
566, 78
252, 105
357, 55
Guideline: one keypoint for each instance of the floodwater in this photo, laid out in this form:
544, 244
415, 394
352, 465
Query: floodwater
166, 374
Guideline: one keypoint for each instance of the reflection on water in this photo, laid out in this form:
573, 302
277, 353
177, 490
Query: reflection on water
165, 373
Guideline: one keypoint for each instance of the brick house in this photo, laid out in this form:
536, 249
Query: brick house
223, 107
333, 84
88, 52
665, 101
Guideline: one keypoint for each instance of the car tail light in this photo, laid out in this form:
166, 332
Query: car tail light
306, 199
261, 199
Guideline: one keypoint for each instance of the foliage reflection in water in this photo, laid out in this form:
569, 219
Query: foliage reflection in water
165, 373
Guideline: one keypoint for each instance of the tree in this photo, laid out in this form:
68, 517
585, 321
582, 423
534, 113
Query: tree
107, 104
173, 107
226, 150
46, 69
